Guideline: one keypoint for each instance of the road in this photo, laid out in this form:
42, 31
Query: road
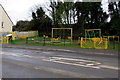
23, 63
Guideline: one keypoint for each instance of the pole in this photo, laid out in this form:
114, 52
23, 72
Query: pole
71, 35
113, 43
26, 40
52, 33
44, 42
85, 34
81, 42
100, 33
64, 37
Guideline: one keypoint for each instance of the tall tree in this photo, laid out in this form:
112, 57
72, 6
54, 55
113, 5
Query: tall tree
53, 5
114, 11
41, 21
61, 12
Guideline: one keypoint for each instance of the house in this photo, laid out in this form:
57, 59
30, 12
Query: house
5, 21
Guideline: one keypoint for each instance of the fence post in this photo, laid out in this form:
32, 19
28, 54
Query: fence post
81, 41
106, 43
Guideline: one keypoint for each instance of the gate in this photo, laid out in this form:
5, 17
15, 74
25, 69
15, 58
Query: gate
4, 40
97, 43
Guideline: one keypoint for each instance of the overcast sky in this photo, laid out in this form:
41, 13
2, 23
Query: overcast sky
20, 9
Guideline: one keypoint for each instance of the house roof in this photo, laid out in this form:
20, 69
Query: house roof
6, 13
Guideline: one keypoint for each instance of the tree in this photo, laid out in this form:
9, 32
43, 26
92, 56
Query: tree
61, 13
22, 26
34, 16
53, 5
78, 15
41, 21
67, 12
114, 12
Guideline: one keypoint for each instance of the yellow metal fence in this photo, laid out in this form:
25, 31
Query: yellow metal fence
4, 40
97, 43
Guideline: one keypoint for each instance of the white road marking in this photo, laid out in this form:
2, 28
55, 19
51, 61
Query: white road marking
47, 52
28, 56
72, 64
37, 51
63, 50
110, 67
21, 55
17, 55
36, 57
73, 59
90, 64
54, 59
13, 54
78, 62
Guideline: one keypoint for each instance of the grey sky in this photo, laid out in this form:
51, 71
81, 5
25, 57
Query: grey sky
20, 9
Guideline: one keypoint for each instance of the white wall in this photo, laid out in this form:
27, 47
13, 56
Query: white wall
7, 23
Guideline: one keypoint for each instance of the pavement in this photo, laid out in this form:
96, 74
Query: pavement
65, 49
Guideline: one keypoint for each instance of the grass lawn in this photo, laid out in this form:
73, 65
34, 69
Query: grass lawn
114, 45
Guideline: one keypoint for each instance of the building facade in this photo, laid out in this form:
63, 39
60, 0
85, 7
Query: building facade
5, 21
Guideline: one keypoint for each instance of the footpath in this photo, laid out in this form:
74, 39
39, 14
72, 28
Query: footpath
65, 49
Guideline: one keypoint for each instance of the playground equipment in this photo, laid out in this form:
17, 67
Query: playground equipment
13, 37
93, 39
92, 33
23, 37
9, 37
4, 40
112, 38
61, 34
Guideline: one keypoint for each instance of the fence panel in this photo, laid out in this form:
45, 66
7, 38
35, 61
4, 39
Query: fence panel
97, 43
27, 34
4, 40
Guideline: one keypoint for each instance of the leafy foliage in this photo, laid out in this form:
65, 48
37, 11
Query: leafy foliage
76, 15
114, 11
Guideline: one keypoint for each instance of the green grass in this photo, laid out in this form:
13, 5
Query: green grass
114, 45
62, 44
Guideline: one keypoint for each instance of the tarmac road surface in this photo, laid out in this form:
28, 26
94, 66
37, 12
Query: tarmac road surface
24, 63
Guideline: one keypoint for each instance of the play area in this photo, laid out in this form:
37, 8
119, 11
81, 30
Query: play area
63, 37
93, 39
60, 35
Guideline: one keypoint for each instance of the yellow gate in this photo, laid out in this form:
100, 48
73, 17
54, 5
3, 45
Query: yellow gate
86, 43
97, 43
4, 40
